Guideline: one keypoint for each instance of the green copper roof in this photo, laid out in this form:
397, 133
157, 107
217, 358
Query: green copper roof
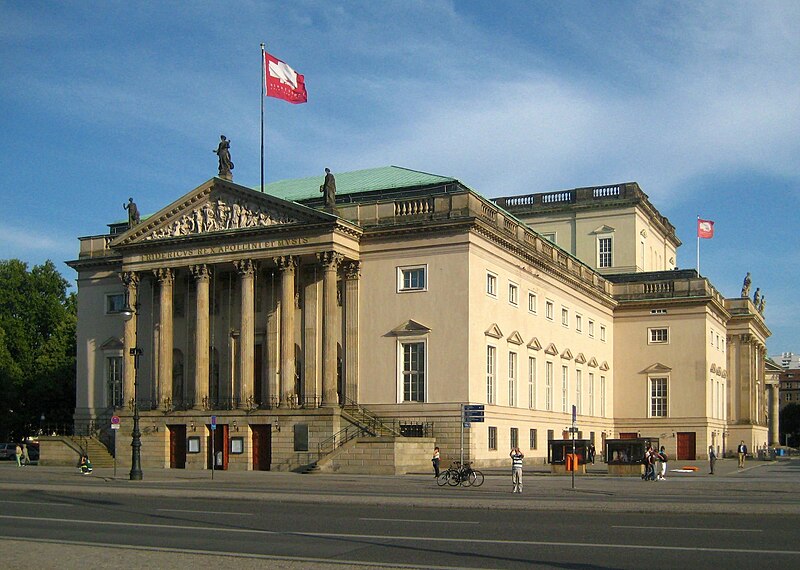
370, 180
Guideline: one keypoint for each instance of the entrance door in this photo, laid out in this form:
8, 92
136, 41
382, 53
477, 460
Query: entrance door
687, 445
218, 457
177, 446
262, 447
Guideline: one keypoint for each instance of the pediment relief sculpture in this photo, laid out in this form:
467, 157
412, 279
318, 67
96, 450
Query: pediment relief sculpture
221, 215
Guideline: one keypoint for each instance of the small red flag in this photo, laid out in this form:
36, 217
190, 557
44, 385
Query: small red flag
705, 229
282, 81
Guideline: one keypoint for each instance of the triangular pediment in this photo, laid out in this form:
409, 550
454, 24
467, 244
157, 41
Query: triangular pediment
534, 344
657, 368
567, 354
580, 359
592, 362
515, 338
713, 368
604, 366
410, 328
112, 343
219, 207
551, 349
494, 331
604, 229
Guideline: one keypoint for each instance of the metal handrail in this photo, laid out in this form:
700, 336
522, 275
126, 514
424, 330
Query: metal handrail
372, 421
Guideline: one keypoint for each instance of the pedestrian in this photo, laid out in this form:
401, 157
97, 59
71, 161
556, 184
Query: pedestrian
591, 453
662, 458
649, 461
26, 459
712, 459
516, 470
18, 454
85, 465
742, 451
435, 461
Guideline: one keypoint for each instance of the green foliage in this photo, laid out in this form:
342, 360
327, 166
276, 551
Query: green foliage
37, 348
790, 424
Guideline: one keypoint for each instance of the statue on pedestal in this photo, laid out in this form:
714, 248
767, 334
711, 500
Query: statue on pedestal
224, 153
328, 190
746, 286
762, 304
757, 297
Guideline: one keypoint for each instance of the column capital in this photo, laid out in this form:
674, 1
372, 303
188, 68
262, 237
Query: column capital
330, 259
285, 262
246, 267
164, 274
130, 279
352, 270
200, 272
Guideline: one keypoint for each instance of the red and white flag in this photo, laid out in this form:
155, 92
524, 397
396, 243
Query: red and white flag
282, 81
705, 229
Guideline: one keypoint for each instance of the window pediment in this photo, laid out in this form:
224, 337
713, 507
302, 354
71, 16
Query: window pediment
112, 343
604, 229
593, 362
494, 331
410, 328
580, 359
551, 349
656, 368
534, 344
515, 338
604, 366
567, 354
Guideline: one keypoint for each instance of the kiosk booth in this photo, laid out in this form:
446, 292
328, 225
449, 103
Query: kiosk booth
561, 458
624, 456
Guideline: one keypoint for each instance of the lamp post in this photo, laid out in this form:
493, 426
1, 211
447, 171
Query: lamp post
136, 441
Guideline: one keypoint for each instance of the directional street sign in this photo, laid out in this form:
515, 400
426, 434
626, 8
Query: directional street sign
473, 407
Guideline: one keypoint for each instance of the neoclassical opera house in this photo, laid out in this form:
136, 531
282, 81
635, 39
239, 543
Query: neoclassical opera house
348, 337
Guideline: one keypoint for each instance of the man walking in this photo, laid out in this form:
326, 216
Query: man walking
516, 469
742, 450
712, 459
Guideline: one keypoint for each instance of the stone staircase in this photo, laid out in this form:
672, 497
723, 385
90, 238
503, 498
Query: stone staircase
94, 448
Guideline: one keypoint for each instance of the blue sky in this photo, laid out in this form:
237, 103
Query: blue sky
698, 102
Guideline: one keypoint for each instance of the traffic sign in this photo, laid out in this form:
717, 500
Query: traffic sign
114, 422
213, 422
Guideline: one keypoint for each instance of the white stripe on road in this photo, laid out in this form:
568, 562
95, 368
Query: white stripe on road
389, 538
205, 512
419, 521
689, 528
38, 503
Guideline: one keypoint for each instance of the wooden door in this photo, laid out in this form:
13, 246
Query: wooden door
262, 447
687, 445
177, 446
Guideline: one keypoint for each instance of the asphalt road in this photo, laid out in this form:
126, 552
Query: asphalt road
55, 518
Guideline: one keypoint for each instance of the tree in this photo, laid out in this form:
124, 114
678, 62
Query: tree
790, 424
37, 348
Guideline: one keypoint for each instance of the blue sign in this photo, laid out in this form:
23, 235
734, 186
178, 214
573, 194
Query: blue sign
473, 417
213, 422
574, 414
473, 407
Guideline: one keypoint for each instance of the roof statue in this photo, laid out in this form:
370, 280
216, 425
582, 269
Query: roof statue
133, 212
746, 286
757, 297
328, 190
224, 153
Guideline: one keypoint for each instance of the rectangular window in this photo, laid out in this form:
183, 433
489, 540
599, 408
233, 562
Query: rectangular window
602, 396
115, 303
604, 258
659, 335
116, 398
513, 294
531, 383
512, 379
550, 435
658, 397
578, 391
579, 323
533, 439
491, 366
564, 389
548, 386
412, 278
591, 393
492, 438
532, 302
602, 333
491, 285
591, 328
413, 371
514, 436
564, 316
548, 310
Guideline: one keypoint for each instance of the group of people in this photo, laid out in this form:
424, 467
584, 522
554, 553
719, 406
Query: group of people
655, 464
21, 453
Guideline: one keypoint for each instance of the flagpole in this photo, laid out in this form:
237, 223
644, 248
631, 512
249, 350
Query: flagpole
263, 94
697, 232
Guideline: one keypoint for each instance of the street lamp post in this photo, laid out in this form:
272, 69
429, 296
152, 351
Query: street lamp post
136, 440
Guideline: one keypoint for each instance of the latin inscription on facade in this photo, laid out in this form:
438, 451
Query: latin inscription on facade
229, 248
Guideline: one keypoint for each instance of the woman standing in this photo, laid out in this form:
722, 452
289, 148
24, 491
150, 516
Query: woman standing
435, 461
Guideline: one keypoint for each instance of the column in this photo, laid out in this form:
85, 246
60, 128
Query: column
311, 337
287, 265
247, 270
131, 281
273, 354
202, 275
330, 326
165, 278
775, 414
352, 273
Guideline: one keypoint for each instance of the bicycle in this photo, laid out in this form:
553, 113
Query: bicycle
458, 474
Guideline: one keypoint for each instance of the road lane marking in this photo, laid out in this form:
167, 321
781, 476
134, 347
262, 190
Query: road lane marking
205, 512
419, 521
38, 503
382, 538
688, 528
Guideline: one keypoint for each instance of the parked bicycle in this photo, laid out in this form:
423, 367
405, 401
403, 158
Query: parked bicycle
458, 474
